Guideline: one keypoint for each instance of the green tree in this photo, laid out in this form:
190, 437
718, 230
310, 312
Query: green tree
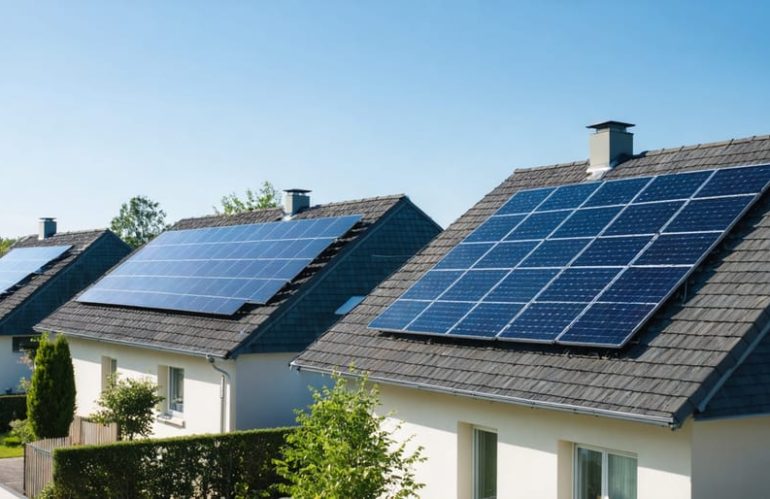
340, 449
130, 403
5, 244
51, 396
267, 197
139, 220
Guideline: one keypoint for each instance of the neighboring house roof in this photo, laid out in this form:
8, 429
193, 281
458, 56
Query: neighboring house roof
669, 371
219, 335
92, 253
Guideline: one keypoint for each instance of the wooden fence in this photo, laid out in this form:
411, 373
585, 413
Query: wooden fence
38, 456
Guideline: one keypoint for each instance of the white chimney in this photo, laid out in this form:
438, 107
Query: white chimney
609, 145
46, 228
295, 200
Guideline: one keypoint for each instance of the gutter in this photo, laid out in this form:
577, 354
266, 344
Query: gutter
222, 388
534, 404
136, 344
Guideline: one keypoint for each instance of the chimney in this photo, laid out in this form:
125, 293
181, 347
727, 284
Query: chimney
609, 145
46, 228
295, 200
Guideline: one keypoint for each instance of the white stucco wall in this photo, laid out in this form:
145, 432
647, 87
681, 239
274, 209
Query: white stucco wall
269, 390
535, 447
201, 383
731, 458
12, 369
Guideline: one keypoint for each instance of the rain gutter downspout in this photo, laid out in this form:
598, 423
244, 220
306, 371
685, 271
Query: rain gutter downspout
222, 386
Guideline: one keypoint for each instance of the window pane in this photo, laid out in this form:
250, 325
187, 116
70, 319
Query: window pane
176, 389
589, 474
486, 465
622, 477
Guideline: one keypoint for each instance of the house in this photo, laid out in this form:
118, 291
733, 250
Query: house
39, 273
679, 409
223, 364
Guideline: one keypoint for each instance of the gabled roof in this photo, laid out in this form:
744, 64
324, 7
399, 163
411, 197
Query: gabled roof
11, 304
216, 335
669, 370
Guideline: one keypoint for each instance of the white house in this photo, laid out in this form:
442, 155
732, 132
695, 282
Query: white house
39, 273
505, 407
222, 366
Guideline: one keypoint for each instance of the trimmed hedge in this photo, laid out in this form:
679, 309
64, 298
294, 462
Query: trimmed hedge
12, 407
238, 464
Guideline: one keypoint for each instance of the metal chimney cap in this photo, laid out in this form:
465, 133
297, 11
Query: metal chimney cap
47, 219
297, 191
611, 124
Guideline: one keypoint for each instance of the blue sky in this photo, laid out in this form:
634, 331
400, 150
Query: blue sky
187, 101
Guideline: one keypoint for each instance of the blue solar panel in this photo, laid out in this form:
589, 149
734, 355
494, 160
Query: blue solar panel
587, 223
580, 264
612, 251
20, 263
217, 270
538, 225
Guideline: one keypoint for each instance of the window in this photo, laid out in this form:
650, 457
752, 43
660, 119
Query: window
602, 474
484, 464
23, 343
175, 390
109, 368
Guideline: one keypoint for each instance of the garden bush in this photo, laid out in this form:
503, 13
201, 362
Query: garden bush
229, 465
12, 407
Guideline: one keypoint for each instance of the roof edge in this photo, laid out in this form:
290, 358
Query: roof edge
149, 346
534, 404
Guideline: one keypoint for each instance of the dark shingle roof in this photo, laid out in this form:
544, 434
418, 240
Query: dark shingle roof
202, 334
662, 376
11, 303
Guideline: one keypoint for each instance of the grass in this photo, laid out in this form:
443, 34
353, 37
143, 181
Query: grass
9, 450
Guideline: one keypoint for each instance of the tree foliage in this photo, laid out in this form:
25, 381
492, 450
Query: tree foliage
266, 197
51, 396
139, 220
131, 404
340, 449
5, 244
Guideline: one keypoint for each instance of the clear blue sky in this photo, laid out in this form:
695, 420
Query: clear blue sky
187, 101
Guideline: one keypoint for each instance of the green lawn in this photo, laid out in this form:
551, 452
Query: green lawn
9, 451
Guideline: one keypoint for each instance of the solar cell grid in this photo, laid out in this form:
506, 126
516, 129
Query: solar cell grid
216, 270
20, 263
585, 263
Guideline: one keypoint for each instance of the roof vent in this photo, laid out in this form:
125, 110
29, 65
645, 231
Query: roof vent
46, 228
609, 145
295, 200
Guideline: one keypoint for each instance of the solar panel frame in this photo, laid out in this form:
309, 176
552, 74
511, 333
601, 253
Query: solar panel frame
216, 270
29, 260
677, 184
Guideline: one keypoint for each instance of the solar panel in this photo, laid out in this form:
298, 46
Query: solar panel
217, 270
20, 263
582, 264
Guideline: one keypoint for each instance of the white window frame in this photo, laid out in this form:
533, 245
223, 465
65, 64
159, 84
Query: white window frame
475, 461
170, 392
605, 466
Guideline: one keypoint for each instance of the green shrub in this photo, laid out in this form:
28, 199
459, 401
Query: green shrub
129, 403
12, 441
11, 407
51, 396
229, 465
22, 429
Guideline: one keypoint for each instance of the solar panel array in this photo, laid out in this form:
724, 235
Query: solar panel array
580, 264
217, 270
20, 263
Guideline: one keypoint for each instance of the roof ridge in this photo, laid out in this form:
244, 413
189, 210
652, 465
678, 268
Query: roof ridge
67, 233
703, 145
550, 167
361, 200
